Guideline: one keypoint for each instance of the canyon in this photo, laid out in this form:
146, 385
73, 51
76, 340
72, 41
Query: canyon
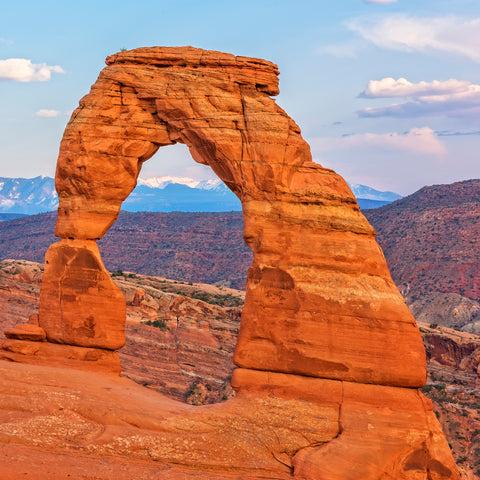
429, 240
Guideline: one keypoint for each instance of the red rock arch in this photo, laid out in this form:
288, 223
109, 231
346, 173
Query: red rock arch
320, 301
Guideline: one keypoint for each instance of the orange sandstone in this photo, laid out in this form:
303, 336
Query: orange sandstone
79, 302
320, 300
330, 357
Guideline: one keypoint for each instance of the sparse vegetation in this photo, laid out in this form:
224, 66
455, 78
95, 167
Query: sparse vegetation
160, 324
227, 300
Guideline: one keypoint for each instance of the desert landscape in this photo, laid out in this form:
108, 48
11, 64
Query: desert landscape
192, 361
305, 395
202, 277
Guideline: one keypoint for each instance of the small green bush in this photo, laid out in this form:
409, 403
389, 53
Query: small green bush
161, 324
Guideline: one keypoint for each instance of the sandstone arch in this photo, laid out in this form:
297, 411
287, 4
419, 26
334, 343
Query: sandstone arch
317, 268
322, 317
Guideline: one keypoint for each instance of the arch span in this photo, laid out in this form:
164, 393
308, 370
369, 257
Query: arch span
330, 358
320, 300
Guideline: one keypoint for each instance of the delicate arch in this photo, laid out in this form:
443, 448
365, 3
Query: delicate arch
320, 300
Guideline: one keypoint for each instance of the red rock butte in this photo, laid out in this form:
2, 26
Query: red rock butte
330, 360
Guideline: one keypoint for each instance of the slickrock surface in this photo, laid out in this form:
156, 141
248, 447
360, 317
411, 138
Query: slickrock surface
150, 358
330, 357
270, 426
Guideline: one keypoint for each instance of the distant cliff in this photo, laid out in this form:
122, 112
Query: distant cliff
431, 240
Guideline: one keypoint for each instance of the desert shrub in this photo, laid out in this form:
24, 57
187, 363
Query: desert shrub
227, 300
161, 324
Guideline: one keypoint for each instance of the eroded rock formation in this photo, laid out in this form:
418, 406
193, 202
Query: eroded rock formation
330, 358
191, 361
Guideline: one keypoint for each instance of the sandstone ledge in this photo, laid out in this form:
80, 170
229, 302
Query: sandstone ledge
75, 418
69, 356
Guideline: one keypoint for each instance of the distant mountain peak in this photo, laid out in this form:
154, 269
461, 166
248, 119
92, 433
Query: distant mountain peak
163, 181
162, 194
369, 193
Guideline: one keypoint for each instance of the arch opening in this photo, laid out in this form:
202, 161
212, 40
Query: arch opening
180, 334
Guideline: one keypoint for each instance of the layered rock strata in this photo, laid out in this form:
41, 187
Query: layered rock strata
323, 323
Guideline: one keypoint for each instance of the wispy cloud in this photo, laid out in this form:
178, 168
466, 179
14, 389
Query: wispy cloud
48, 113
341, 50
389, 87
450, 97
421, 140
397, 161
446, 133
379, 1
23, 70
456, 35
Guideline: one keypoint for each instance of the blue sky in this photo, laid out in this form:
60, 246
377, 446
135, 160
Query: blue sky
387, 93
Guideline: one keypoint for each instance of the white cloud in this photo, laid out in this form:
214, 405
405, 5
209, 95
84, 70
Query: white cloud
389, 87
341, 50
23, 70
417, 140
379, 1
399, 162
451, 97
460, 36
47, 113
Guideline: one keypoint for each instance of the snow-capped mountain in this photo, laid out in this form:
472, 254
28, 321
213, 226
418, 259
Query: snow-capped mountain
369, 193
155, 194
169, 194
27, 195
162, 182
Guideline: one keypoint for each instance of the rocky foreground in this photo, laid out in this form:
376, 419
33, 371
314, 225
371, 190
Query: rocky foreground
180, 341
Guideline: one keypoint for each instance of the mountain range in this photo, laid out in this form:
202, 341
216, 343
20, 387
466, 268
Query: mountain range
156, 194
431, 241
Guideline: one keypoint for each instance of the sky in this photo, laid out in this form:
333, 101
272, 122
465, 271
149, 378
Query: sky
386, 92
